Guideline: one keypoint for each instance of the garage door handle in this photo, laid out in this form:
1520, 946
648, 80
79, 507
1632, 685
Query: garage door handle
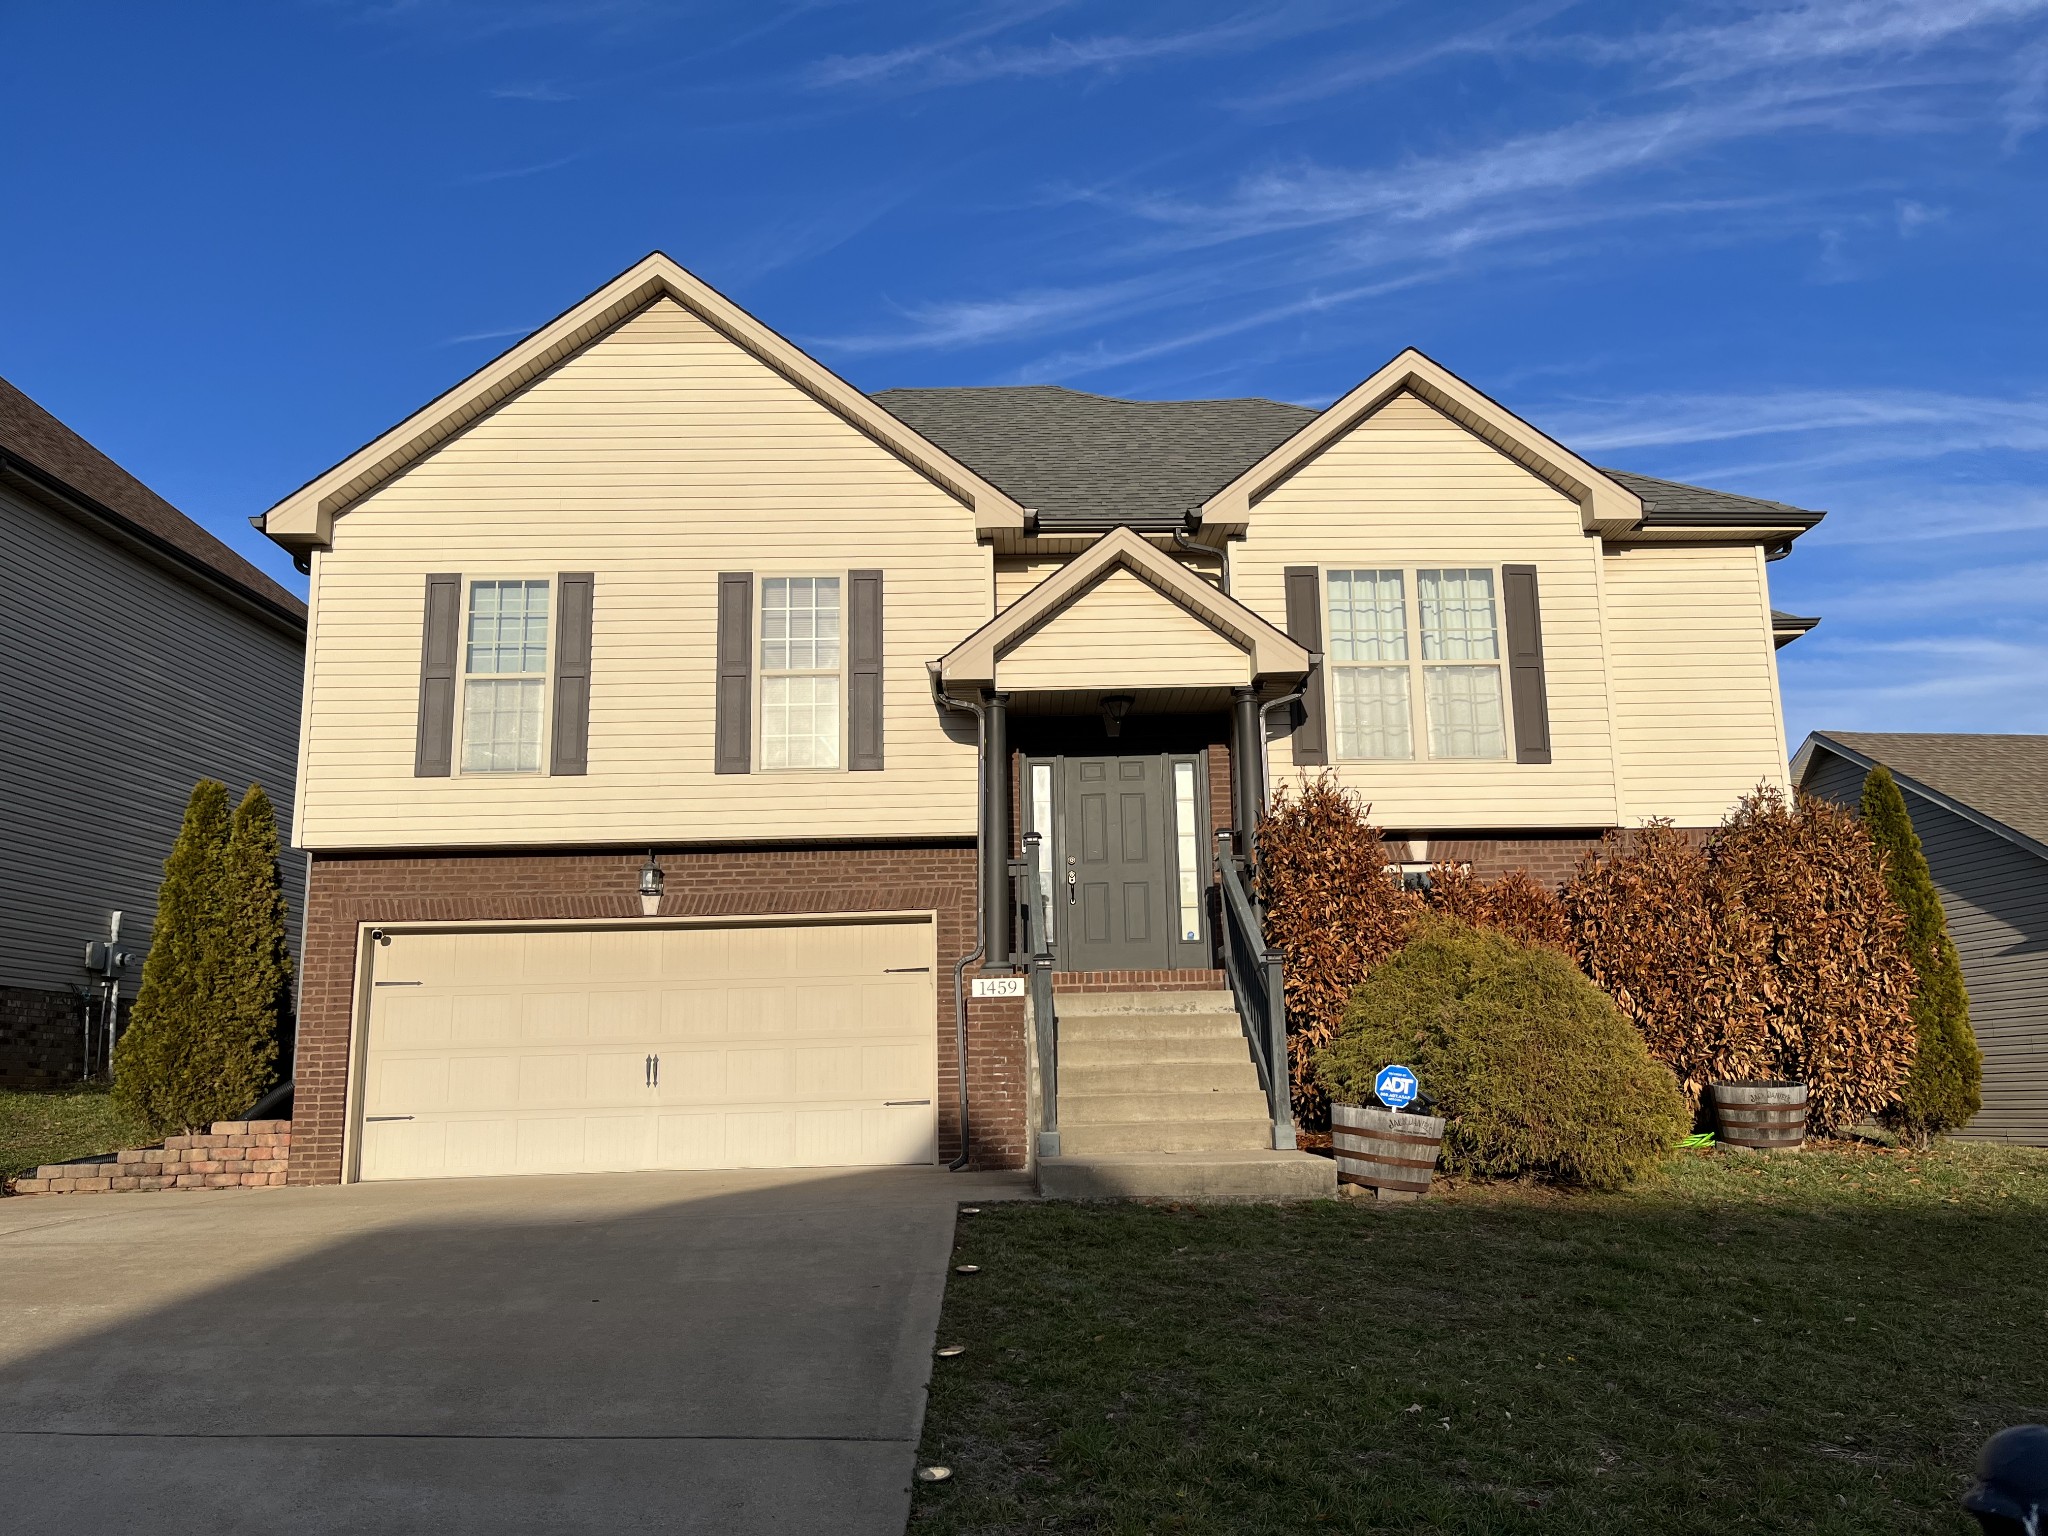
895, 1103
373, 1119
653, 1071
906, 970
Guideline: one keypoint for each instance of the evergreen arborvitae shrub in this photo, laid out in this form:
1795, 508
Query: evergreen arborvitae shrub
1941, 1090
163, 1072
256, 989
1535, 1070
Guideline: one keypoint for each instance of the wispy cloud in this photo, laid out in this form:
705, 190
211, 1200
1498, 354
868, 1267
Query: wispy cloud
511, 173
541, 92
964, 58
469, 336
1368, 67
1894, 423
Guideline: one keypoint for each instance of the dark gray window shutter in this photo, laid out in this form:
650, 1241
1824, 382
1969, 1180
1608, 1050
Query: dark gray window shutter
440, 643
1526, 692
864, 670
1305, 628
734, 732
571, 750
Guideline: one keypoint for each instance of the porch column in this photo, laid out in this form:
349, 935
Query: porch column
1247, 763
995, 834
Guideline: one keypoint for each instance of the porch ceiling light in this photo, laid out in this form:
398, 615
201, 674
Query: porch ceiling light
652, 880
1114, 707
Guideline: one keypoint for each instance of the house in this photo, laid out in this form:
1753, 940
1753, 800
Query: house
1980, 805
654, 613
140, 655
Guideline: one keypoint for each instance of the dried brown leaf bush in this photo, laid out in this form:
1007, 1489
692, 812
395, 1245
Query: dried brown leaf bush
1663, 933
1514, 904
1333, 910
1839, 1007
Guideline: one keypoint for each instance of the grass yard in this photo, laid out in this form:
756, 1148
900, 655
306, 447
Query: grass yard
1815, 1343
63, 1123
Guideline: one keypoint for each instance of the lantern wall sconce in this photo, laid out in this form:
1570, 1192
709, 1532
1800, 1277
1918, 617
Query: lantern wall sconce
652, 880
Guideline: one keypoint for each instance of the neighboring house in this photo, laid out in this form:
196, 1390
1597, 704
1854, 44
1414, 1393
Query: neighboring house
140, 654
1980, 805
656, 580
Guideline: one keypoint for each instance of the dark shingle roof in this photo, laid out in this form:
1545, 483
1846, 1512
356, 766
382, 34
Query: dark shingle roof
2002, 777
1090, 462
37, 442
1087, 461
1780, 619
1670, 504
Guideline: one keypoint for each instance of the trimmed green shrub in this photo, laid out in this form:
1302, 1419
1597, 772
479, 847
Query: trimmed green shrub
1941, 1090
201, 1044
1536, 1071
161, 1075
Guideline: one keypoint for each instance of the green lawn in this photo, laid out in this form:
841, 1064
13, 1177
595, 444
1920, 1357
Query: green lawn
1812, 1343
54, 1126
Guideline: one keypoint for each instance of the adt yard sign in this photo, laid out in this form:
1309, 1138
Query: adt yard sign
1395, 1087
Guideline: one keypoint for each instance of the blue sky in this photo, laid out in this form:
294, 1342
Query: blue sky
1794, 250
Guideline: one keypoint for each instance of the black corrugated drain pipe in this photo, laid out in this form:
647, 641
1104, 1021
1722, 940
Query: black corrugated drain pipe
980, 896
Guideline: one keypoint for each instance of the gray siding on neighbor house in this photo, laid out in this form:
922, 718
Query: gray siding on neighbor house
1996, 897
121, 684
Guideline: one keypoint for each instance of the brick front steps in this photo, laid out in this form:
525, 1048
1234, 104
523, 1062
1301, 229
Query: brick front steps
236, 1154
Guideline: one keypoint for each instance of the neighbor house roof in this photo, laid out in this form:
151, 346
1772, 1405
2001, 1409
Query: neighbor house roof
1088, 462
2003, 779
39, 448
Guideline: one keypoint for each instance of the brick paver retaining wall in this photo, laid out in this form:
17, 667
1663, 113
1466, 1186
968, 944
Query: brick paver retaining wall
235, 1154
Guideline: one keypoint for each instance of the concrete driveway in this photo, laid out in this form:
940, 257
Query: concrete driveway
739, 1352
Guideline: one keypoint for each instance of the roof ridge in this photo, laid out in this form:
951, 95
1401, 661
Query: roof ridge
1082, 394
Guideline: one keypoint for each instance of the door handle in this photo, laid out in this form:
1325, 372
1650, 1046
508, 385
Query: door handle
647, 1071
378, 1119
1071, 888
657, 1069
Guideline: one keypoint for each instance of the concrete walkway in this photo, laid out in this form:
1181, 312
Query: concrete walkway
735, 1352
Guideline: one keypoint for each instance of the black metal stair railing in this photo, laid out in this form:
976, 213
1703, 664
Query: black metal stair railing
1035, 957
1258, 984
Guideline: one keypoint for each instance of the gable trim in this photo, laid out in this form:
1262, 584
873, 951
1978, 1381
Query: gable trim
1272, 653
1605, 505
1821, 741
305, 519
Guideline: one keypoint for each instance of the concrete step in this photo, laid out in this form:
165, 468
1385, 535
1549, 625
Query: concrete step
1150, 1026
1128, 1106
1258, 1174
1087, 1079
1206, 1050
1079, 1005
1167, 1136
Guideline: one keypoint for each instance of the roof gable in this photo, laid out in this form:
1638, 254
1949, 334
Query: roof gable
306, 517
1998, 782
1605, 506
973, 660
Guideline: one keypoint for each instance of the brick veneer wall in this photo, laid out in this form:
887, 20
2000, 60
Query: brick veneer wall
1137, 981
235, 1154
349, 890
1548, 857
41, 1037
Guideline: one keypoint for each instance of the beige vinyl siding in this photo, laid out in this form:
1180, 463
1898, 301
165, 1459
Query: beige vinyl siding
657, 457
1695, 679
1408, 488
1123, 633
1016, 575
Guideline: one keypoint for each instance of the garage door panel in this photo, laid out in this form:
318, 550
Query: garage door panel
411, 1018
694, 1013
824, 1071
550, 1018
527, 1051
482, 1082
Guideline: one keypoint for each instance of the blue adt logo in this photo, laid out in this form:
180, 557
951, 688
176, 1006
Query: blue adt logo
1395, 1087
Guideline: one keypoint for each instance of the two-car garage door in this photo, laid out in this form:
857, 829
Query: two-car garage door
579, 1049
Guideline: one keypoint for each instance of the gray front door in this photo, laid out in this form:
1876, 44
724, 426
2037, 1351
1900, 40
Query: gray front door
1112, 892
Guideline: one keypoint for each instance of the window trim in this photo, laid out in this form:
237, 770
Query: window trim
545, 677
1416, 665
761, 672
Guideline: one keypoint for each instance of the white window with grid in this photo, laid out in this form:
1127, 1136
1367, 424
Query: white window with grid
1369, 664
1461, 682
504, 676
801, 658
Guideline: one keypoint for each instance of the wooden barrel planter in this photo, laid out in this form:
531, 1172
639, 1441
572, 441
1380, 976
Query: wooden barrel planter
1764, 1117
1391, 1155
